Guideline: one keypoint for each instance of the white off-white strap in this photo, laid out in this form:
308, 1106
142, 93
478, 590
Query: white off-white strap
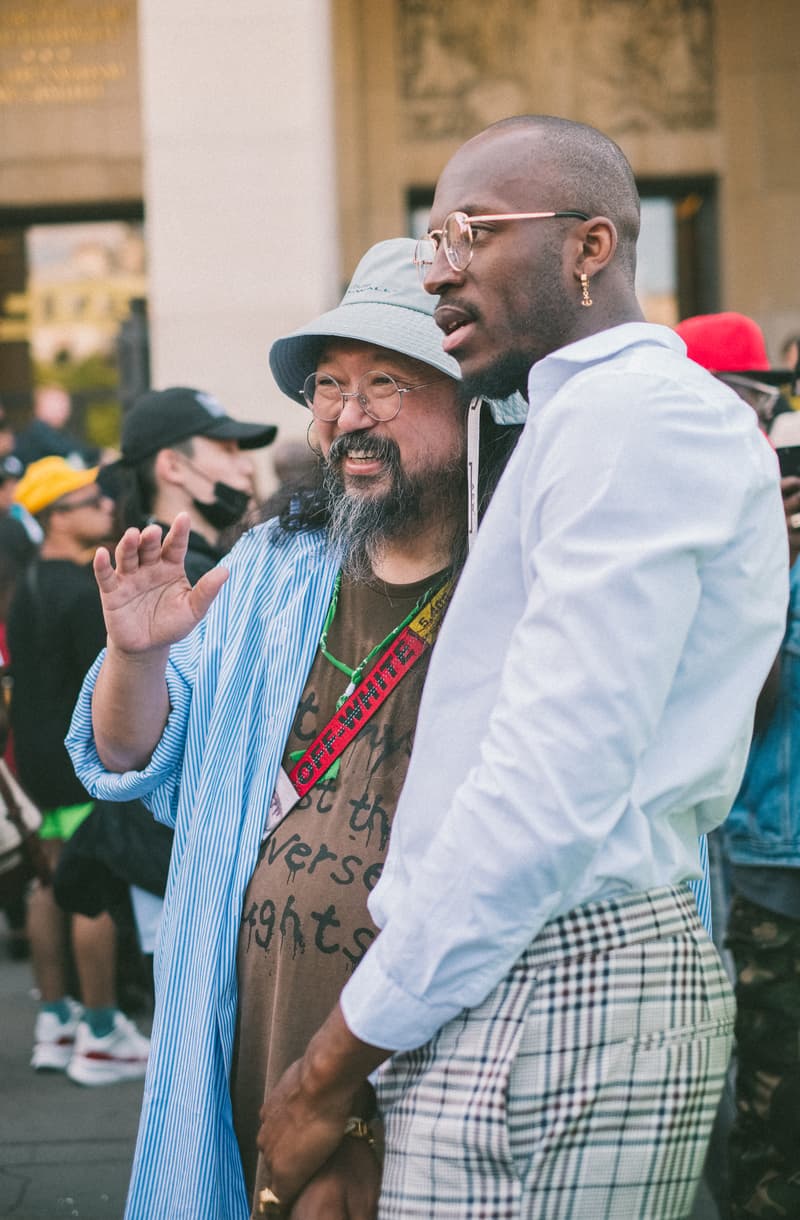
473, 463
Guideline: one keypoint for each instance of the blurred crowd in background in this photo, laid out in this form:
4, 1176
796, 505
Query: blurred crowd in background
90, 931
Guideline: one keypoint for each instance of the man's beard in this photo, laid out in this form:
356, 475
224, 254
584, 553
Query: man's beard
362, 523
537, 331
504, 377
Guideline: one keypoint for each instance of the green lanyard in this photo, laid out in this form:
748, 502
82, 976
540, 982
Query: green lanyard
355, 675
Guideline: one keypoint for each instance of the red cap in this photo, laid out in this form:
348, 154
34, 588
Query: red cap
725, 343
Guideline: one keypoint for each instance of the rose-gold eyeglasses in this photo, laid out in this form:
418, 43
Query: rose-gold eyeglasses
457, 236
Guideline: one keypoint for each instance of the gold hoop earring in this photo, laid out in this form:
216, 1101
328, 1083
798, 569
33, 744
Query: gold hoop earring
586, 300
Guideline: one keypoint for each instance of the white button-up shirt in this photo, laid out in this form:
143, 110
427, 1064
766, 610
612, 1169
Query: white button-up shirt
589, 704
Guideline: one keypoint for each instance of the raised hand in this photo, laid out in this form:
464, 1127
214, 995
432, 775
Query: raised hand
147, 601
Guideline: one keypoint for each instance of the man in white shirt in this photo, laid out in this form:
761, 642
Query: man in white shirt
559, 1022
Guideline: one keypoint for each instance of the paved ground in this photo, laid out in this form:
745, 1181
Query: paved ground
64, 1150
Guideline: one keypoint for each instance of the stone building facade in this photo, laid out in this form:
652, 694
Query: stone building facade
268, 144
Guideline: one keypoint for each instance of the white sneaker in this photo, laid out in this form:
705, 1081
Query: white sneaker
118, 1055
54, 1040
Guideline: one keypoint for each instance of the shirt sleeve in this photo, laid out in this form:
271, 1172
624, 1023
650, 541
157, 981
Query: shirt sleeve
620, 499
157, 784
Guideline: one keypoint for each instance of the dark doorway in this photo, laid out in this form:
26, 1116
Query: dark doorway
678, 264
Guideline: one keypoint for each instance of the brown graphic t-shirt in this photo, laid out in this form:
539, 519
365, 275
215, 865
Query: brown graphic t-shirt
305, 924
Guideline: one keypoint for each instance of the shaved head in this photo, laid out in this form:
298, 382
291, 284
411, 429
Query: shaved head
587, 169
522, 293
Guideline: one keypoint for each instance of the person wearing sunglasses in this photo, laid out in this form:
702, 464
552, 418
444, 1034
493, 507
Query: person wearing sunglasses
758, 846
545, 1019
732, 346
55, 626
274, 734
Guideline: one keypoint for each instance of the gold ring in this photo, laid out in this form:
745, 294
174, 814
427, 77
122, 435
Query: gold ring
794, 521
269, 1204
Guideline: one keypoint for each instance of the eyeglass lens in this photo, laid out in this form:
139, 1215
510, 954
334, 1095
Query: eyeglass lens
456, 237
378, 394
762, 398
424, 254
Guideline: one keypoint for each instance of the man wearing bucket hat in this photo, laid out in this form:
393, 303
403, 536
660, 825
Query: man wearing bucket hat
273, 730
55, 627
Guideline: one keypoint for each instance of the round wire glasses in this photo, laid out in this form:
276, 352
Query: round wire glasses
457, 236
378, 394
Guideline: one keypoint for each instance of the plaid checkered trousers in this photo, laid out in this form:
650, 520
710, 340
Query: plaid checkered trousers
583, 1088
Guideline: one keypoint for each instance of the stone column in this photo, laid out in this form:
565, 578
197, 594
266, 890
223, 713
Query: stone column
759, 89
240, 193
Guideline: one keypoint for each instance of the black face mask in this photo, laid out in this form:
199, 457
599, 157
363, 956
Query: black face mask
227, 507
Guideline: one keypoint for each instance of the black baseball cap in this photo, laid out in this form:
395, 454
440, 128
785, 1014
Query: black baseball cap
161, 418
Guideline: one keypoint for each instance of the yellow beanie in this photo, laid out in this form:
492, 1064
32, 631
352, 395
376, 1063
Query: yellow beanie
48, 480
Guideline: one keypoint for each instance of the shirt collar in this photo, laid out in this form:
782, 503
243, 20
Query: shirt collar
549, 375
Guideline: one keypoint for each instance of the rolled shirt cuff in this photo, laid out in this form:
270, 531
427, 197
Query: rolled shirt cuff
380, 1012
130, 785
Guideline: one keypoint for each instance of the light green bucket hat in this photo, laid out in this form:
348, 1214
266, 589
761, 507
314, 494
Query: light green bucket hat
385, 304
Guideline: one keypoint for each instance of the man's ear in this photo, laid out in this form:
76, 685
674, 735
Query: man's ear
597, 244
168, 467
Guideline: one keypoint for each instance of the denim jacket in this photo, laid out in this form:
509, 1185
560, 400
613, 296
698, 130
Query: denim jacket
763, 827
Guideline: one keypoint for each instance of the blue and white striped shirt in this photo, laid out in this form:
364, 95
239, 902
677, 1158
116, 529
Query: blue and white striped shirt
234, 685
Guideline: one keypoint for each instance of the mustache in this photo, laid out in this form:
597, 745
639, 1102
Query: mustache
382, 448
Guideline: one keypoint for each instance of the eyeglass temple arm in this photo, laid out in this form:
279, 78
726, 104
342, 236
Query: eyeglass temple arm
436, 234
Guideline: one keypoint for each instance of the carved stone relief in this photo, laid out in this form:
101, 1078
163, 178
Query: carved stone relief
457, 70
631, 65
648, 64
